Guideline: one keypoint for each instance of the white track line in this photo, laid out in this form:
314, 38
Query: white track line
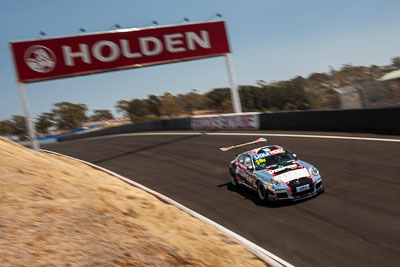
261, 253
313, 136
259, 134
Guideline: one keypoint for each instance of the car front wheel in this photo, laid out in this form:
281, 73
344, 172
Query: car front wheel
262, 193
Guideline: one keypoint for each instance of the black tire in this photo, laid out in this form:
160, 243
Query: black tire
234, 180
262, 193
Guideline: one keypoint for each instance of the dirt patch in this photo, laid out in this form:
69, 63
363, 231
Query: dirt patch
59, 212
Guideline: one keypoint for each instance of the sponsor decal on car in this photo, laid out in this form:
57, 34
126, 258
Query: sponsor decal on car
277, 151
266, 154
249, 178
282, 168
295, 174
262, 155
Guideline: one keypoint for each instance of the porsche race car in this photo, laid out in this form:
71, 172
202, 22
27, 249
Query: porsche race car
274, 173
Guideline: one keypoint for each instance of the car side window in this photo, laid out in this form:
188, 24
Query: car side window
247, 161
241, 159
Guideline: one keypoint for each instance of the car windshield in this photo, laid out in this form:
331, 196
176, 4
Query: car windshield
271, 160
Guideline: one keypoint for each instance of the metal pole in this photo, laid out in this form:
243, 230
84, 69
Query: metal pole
237, 108
29, 123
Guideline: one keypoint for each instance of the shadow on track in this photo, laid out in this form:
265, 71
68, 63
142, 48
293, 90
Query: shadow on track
132, 152
251, 195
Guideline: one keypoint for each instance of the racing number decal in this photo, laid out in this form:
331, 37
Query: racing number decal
259, 161
250, 179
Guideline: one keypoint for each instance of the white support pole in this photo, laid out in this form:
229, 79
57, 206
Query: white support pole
29, 123
237, 107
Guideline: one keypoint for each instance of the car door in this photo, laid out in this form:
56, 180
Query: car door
245, 170
240, 168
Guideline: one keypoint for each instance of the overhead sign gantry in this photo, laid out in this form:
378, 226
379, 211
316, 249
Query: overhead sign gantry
53, 58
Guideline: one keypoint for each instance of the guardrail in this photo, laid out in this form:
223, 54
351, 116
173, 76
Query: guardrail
383, 121
156, 125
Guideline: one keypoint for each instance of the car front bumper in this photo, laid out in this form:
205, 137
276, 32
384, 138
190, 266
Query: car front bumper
288, 194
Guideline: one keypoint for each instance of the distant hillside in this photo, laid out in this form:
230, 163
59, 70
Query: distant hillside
320, 86
347, 87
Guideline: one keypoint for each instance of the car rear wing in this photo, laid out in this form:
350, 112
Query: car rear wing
259, 140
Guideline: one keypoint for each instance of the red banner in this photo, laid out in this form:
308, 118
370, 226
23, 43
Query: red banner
45, 59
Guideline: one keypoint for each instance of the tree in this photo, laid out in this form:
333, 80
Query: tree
354, 73
296, 98
43, 122
396, 62
6, 128
153, 105
300, 80
68, 116
169, 105
193, 101
318, 77
218, 96
138, 108
122, 106
19, 127
226, 106
250, 97
101, 114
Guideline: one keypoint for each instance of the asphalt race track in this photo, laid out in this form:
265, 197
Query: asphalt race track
356, 222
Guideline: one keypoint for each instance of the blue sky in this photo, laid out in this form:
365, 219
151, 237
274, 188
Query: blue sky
271, 40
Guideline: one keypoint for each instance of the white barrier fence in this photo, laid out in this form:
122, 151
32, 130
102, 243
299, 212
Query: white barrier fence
234, 121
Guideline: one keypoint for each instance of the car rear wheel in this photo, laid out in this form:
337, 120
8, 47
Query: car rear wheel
262, 193
234, 180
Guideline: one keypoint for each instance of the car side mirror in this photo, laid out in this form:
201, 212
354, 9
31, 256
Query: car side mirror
295, 156
250, 168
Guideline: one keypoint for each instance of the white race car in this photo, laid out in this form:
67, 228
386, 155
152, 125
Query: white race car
274, 173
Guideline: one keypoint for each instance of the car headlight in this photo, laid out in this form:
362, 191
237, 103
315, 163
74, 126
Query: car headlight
275, 183
314, 171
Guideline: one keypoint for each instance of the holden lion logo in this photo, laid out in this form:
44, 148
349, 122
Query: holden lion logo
40, 58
